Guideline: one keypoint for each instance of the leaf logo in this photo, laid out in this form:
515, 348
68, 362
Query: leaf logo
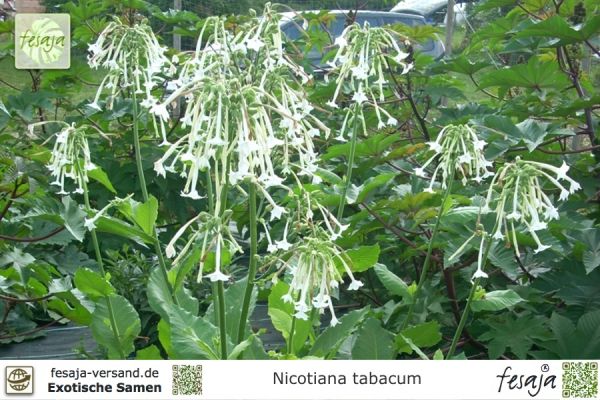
44, 42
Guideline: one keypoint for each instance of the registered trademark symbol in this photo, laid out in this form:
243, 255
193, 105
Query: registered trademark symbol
545, 368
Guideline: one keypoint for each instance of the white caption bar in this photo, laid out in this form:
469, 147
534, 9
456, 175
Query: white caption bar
288, 379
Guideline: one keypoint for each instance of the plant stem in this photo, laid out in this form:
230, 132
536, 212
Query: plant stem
465, 314
142, 178
291, 339
252, 264
95, 243
211, 210
427, 261
222, 324
350, 160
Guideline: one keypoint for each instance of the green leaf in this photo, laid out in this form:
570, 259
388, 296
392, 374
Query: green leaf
422, 335
192, 337
92, 284
392, 282
533, 133
240, 348
142, 214
413, 347
127, 323
361, 258
234, 297
281, 316
591, 255
496, 300
557, 27
372, 184
16, 258
148, 353
515, 333
117, 227
463, 65
73, 218
159, 297
534, 75
373, 342
331, 339
100, 176
576, 342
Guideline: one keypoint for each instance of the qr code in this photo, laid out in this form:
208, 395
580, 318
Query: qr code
187, 380
580, 380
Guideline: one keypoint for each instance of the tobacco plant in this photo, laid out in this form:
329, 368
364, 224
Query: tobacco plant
391, 206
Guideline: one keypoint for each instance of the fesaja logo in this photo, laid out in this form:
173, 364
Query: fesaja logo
531, 383
42, 41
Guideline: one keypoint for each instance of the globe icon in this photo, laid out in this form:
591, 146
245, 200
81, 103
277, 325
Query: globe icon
19, 379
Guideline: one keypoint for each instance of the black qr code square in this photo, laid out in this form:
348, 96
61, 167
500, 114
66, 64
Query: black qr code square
580, 380
187, 380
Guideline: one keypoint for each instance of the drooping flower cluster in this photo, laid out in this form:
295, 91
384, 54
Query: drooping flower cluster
70, 157
363, 57
315, 264
133, 59
456, 149
315, 275
240, 116
522, 199
212, 236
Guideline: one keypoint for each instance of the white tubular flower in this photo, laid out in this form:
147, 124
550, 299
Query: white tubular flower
212, 235
314, 269
70, 157
240, 120
457, 149
522, 201
363, 54
133, 59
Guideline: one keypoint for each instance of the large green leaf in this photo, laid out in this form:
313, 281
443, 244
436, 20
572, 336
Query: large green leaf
100, 176
591, 255
361, 259
558, 27
117, 227
330, 340
73, 218
161, 300
422, 335
496, 300
373, 183
192, 337
126, 323
234, 297
515, 333
373, 342
392, 282
576, 342
92, 284
142, 214
534, 75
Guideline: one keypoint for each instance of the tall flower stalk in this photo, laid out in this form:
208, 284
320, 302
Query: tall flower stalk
70, 158
517, 195
363, 54
457, 150
135, 64
248, 124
